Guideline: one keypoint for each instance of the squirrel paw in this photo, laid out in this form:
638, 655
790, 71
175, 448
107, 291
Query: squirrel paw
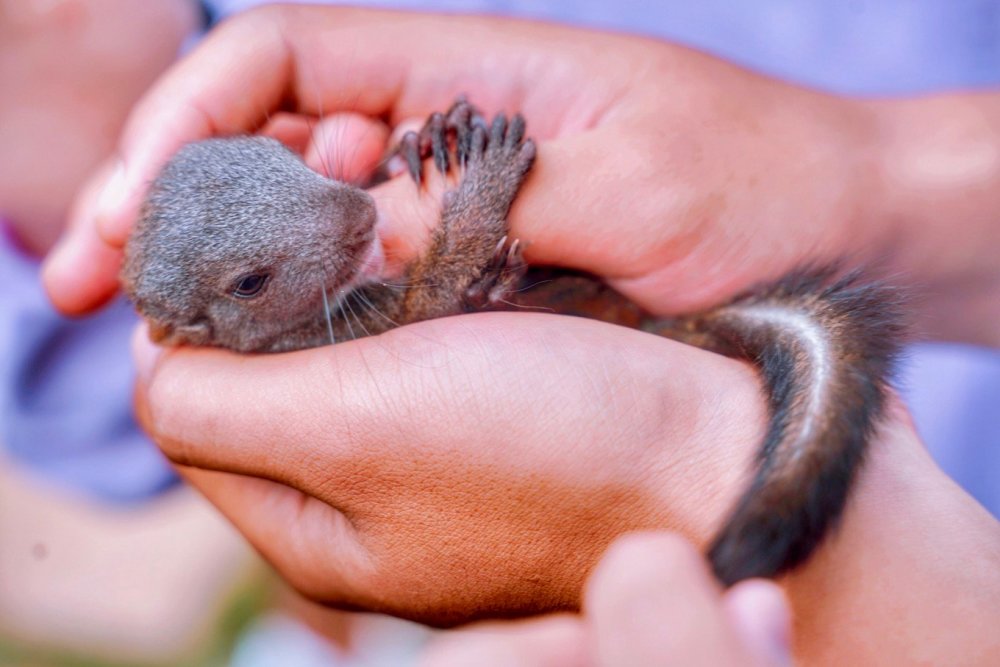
501, 159
461, 136
501, 277
442, 134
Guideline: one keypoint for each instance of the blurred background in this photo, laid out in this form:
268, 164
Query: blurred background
105, 560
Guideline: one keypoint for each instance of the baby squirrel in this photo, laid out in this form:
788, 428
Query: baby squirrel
240, 245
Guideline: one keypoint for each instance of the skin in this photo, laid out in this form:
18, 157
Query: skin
668, 125
671, 128
70, 71
360, 486
651, 601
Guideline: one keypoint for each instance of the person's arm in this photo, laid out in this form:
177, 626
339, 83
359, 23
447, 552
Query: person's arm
679, 178
936, 190
479, 466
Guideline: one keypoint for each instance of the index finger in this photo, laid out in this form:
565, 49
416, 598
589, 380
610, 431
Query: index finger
323, 60
320, 60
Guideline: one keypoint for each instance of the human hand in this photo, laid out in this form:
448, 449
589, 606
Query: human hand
677, 177
480, 465
460, 468
650, 601
601, 120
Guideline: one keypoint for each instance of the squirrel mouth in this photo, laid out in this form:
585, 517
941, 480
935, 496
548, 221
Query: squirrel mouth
366, 268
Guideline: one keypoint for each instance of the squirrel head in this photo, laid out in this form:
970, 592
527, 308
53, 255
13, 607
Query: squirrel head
238, 240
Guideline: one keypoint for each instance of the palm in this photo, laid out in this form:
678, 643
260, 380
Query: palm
464, 511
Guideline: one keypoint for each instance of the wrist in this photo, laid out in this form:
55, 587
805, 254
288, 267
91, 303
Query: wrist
721, 419
936, 177
913, 572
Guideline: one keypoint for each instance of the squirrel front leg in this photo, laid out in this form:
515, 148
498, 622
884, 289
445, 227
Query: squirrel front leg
469, 263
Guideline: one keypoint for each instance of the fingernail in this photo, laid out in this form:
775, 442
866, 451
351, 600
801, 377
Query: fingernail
778, 642
144, 353
109, 206
395, 166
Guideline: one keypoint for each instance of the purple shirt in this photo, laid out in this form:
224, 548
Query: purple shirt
65, 390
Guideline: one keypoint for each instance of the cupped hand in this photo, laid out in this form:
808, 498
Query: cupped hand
651, 601
679, 178
481, 465
460, 468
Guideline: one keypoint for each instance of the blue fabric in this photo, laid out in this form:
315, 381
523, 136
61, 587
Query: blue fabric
954, 394
851, 46
65, 388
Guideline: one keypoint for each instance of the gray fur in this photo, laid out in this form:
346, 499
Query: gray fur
224, 208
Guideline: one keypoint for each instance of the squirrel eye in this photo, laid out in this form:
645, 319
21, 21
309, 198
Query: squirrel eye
250, 285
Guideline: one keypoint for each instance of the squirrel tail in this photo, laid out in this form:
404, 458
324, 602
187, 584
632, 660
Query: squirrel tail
825, 348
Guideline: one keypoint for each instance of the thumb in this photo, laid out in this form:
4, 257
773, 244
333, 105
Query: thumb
571, 211
81, 272
761, 617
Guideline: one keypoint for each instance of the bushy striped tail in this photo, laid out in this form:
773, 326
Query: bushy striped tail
825, 348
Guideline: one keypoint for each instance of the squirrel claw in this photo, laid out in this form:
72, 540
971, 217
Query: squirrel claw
460, 119
409, 149
436, 132
440, 135
501, 277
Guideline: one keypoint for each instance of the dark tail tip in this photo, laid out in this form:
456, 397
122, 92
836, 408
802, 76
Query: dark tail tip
754, 549
801, 486
775, 529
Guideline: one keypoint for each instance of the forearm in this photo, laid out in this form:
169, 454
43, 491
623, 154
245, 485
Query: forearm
913, 575
936, 186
